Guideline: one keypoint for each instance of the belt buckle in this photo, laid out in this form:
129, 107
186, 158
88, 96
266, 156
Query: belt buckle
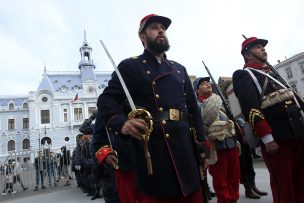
174, 114
288, 102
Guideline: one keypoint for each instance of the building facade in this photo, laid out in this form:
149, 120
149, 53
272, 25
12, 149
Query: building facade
292, 70
51, 116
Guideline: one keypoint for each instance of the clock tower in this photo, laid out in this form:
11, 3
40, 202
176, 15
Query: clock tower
86, 67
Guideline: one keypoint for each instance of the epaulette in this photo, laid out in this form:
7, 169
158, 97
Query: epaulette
172, 62
134, 57
254, 116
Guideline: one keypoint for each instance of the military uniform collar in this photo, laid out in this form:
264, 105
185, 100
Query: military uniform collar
150, 56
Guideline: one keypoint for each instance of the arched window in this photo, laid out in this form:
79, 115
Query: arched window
26, 144
25, 106
11, 106
11, 146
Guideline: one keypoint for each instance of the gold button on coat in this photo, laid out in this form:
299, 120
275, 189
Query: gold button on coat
157, 96
144, 61
164, 122
153, 82
161, 109
167, 135
148, 72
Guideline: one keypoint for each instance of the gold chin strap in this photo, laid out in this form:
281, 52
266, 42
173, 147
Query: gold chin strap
145, 115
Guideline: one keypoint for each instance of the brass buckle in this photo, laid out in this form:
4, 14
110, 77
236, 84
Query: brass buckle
174, 114
288, 102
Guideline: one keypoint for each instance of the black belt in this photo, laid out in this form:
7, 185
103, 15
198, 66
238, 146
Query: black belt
171, 115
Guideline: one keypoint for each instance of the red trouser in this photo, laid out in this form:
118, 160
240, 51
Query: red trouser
226, 175
286, 169
125, 186
195, 197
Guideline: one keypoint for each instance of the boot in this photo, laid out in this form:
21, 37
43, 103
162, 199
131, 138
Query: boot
249, 192
90, 192
95, 196
36, 188
256, 190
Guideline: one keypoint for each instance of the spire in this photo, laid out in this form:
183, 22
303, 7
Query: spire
44, 70
85, 53
45, 84
85, 36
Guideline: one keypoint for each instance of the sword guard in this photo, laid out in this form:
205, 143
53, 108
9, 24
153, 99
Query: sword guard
145, 115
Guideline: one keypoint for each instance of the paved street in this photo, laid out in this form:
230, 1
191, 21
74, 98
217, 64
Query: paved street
71, 194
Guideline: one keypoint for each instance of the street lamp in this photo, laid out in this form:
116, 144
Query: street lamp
39, 141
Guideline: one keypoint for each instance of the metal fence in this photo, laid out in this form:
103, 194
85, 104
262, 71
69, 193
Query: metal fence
19, 169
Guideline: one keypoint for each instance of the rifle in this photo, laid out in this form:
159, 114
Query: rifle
298, 99
225, 103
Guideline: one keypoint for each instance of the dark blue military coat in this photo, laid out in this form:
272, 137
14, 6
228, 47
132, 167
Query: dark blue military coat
123, 146
283, 118
157, 88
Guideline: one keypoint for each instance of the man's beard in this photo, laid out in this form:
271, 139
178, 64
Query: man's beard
158, 47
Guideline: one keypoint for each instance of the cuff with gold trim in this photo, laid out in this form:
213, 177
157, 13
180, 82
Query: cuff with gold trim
102, 153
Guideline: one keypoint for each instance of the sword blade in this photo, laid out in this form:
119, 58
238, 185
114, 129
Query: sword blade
123, 84
110, 142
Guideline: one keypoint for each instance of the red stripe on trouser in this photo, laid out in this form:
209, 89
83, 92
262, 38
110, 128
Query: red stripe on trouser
125, 186
226, 175
286, 169
195, 197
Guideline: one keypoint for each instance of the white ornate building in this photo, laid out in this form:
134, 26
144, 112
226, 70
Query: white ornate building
49, 116
292, 70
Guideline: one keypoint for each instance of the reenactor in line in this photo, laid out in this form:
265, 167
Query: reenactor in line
89, 161
224, 154
167, 168
76, 161
275, 117
247, 177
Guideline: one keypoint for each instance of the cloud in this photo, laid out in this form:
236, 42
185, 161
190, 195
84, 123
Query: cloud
36, 32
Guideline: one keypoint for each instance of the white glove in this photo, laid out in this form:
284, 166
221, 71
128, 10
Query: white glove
78, 167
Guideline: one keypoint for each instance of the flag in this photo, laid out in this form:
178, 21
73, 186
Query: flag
75, 98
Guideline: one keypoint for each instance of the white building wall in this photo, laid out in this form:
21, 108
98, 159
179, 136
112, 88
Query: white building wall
59, 89
292, 70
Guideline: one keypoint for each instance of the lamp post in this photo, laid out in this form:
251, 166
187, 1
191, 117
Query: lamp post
39, 141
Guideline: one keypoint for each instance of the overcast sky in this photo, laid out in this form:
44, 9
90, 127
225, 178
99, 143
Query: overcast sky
35, 33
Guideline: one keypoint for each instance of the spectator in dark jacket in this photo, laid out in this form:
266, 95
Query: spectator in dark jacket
40, 167
65, 162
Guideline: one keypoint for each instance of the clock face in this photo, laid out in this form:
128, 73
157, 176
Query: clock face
91, 89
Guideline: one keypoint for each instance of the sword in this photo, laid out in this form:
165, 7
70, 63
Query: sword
135, 113
116, 166
123, 84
